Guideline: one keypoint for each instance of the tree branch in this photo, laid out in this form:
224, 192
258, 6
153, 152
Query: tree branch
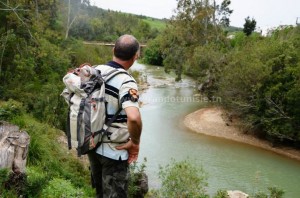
14, 10
9, 9
277, 108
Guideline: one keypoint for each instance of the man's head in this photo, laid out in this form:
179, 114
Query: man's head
126, 48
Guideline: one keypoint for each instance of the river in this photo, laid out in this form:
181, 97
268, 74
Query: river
230, 165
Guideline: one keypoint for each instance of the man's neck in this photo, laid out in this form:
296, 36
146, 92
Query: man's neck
125, 64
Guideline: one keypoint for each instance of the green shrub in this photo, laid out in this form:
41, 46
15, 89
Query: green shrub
11, 184
4, 175
61, 188
261, 195
39, 144
8, 194
260, 84
10, 109
182, 179
47, 158
36, 180
221, 194
153, 54
137, 175
274, 192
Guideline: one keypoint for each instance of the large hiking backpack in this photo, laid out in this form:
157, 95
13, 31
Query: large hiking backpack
85, 94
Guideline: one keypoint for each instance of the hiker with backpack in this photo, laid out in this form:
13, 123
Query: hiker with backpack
104, 117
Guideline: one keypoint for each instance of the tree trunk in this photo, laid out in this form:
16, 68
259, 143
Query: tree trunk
214, 20
68, 22
206, 21
36, 9
13, 147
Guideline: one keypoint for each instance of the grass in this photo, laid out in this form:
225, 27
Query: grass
48, 161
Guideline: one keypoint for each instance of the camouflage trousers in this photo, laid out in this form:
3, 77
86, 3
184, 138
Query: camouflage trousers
109, 177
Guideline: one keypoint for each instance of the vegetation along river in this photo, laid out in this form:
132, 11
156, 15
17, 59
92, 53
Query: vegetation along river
230, 165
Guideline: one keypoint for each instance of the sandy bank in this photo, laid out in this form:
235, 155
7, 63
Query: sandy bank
209, 121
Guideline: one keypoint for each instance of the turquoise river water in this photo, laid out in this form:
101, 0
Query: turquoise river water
230, 165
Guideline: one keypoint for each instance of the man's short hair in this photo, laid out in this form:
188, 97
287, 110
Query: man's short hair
126, 47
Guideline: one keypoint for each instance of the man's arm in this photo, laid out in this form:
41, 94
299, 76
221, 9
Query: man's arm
134, 123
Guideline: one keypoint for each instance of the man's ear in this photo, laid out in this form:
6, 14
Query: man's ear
137, 55
134, 58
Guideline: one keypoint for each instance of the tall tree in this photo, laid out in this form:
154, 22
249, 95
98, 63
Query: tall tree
195, 24
249, 26
224, 13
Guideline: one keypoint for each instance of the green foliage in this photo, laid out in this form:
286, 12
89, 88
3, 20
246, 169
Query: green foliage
205, 60
276, 106
153, 54
249, 26
182, 179
48, 159
15, 184
238, 40
36, 180
233, 29
92, 54
240, 80
196, 24
8, 193
257, 77
221, 194
4, 175
34, 55
58, 188
137, 176
35, 72
155, 23
12, 184
93, 23
260, 84
10, 110
274, 192
225, 12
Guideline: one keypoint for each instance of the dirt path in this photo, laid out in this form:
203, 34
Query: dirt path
209, 121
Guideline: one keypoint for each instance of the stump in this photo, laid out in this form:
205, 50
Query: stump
13, 147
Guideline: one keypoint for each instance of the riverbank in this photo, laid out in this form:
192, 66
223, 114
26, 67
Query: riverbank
210, 121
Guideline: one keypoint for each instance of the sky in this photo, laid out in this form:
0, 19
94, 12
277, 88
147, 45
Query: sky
267, 13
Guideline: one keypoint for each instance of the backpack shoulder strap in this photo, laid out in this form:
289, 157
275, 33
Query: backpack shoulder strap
107, 77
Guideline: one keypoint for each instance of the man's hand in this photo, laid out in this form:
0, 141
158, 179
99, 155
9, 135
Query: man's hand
133, 150
134, 123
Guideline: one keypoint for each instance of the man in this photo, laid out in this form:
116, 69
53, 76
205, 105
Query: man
109, 162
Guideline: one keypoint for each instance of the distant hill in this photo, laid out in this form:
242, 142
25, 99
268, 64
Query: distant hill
97, 24
233, 29
159, 24
155, 23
